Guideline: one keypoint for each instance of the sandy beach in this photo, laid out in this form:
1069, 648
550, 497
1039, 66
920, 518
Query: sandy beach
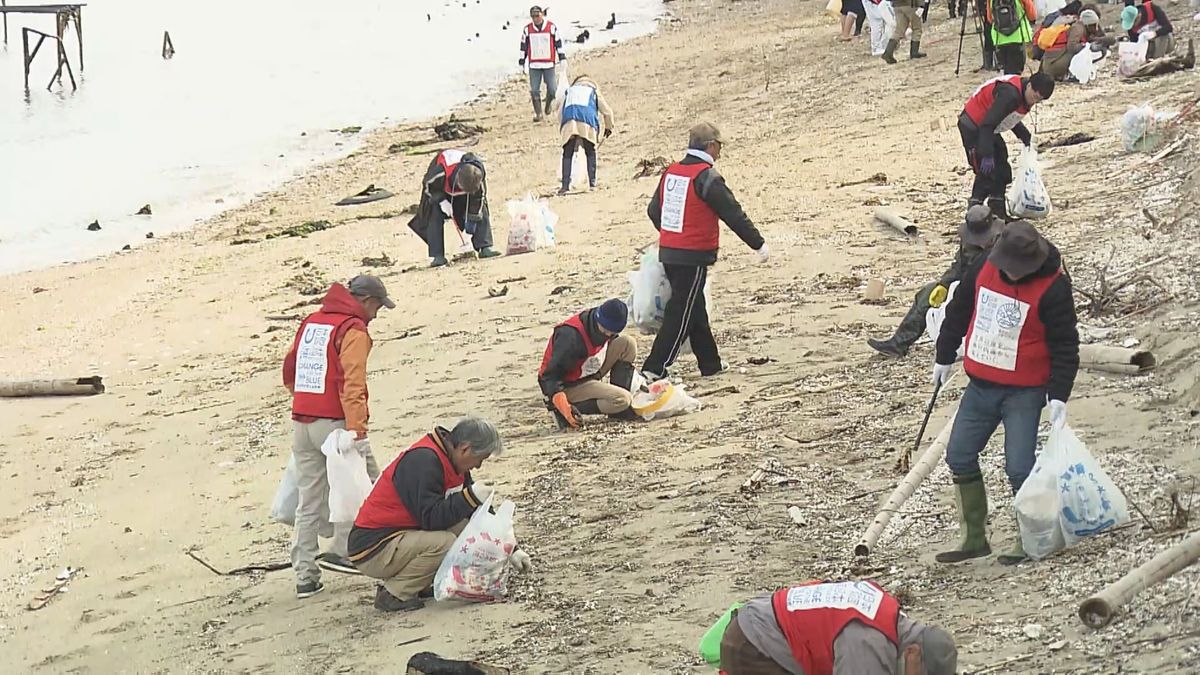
641, 534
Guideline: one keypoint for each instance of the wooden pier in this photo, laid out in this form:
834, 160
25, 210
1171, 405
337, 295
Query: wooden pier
64, 16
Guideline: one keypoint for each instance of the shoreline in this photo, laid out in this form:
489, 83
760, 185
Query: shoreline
641, 534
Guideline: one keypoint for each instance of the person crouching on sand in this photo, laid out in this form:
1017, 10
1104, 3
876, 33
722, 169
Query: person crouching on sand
455, 187
581, 351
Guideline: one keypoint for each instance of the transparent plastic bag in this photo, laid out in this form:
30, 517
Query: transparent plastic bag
650, 293
1027, 196
346, 470
476, 567
1037, 504
287, 495
1090, 501
663, 400
1140, 128
531, 225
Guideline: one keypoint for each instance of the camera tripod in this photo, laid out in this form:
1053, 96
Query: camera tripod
962, 31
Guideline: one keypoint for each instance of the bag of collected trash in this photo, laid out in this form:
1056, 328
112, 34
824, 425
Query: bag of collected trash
650, 293
346, 470
287, 495
1037, 504
1140, 128
1090, 501
1027, 196
579, 176
1083, 65
663, 400
710, 644
1131, 56
476, 567
531, 225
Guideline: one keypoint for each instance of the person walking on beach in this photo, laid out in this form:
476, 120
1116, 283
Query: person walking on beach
326, 373
455, 187
686, 209
908, 15
586, 119
1016, 312
998, 105
541, 49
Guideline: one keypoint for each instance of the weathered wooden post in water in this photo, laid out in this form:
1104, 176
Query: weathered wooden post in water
168, 46
64, 16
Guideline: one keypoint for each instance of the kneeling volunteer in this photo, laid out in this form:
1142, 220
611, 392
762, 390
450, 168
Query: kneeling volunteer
418, 506
582, 350
842, 628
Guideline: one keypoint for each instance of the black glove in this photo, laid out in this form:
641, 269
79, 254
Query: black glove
607, 133
521, 62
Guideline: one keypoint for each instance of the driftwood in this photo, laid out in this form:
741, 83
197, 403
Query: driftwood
1098, 610
892, 219
919, 472
1167, 64
80, 386
428, 663
1116, 359
248, 569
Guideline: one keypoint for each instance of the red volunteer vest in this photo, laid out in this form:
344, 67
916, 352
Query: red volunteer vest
383, 508
448, 160
812, 616
541, 47
1150, 19
319, 377
576, 370
687, 221
981, 101
1006, 340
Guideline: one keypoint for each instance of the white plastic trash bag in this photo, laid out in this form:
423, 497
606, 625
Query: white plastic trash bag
1141, 128
346, 470
1090, 501
650, 293
1131, 56
531, 225
663, 400
287, 495
476, 566
579, 176
1027, 196
1083, 65
1037, 505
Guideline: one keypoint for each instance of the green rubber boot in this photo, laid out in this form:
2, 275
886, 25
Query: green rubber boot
972, 520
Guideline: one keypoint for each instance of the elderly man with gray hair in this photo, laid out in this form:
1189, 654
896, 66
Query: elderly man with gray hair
420, 503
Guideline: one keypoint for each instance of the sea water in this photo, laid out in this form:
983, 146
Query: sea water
256, 93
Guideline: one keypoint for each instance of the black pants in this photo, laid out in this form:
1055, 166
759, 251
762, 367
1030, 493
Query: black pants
685, 317
991, 186
569, 149
480, 231
1012, 58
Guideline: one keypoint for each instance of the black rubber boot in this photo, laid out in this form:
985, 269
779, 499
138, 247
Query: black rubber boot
588, 407
549, 104
953, 9
914, 50
910, 330
999, 208
628, 415
972, 520
889, 54
622, 376
537, 107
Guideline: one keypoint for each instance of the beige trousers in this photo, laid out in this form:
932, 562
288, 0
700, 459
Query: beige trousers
407, 563
610, 399
907, 17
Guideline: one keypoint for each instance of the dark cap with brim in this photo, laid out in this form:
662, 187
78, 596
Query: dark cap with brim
1020, 251
980, 227
369, 286
938, 651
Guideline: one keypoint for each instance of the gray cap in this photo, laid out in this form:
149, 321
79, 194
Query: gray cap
938, 651
702, 134
1020, 251
369, 286
980, 227
1089, 17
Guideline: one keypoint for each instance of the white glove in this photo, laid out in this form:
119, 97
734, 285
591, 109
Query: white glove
941, 374
481, 490
446, 209
362, 446
764, 253
1150, 35
520, 561
1058, 414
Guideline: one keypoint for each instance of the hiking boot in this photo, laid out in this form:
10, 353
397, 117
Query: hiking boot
308, 590
488, 252
439, 261
971, 497
888, 347
889, 53
914, 50
386, 602
336, 563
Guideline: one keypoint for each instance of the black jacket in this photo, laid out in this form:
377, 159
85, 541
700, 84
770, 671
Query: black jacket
1164, 23
418, 480
1005, 102
1056, 311
967, 256
466, 208
710, 187
567, 351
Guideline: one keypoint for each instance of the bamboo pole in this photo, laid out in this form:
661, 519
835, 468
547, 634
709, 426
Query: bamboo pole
916, 475
82, 386
891, 218
1116, 359
1098, 610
